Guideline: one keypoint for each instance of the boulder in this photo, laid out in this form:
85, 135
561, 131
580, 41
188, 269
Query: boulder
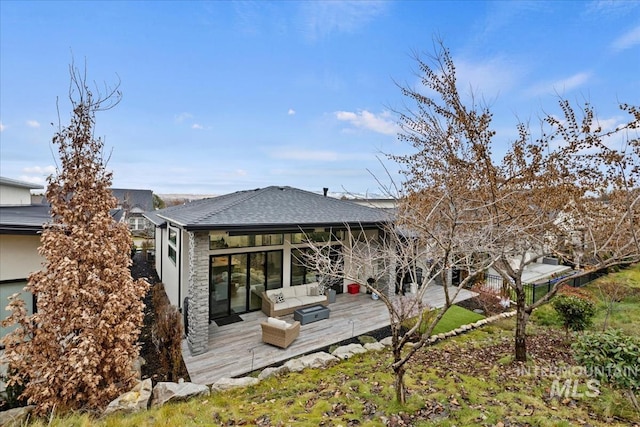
229, 383
16, 416
387, 341
374, 346
315, 360
132, 401
268, 372
346, 351
165, 392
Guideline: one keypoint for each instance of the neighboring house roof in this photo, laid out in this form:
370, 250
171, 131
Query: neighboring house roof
20, 184
281, 208
27, 219
135, 201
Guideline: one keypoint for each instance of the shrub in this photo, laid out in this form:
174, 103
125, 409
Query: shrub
488, 298
166, 333
610, 357
576, 312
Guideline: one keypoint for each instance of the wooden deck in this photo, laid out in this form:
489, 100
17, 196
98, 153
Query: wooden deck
237, 349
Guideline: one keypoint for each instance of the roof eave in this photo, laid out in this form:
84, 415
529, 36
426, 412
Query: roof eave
284, 228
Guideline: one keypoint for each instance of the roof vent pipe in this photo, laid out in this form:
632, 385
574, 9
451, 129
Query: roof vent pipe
325, 190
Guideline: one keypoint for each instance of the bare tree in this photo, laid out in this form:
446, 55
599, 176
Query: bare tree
375, 259
567, 193
78, 349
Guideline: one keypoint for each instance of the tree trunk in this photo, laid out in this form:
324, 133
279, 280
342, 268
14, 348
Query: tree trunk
399, 384
521, 326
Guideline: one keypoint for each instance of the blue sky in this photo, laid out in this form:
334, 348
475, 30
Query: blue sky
226, 96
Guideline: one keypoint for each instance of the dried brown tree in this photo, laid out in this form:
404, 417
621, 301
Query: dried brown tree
77, 350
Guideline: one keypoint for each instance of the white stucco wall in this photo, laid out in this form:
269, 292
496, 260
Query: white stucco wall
158, 242
19, 256
10, 195
169, 269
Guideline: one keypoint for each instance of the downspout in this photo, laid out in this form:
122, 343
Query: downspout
180, 271
161, 247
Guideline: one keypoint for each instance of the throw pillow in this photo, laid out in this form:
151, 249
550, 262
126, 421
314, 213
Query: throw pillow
278, 298
313, 291
277, 322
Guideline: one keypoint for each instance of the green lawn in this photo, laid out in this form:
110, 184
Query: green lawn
455, 317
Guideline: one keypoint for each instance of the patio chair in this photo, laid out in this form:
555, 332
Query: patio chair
279, 333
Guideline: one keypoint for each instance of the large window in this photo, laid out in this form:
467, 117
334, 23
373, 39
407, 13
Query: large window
172, 244
300, 273
6, 290
317, 236
224, 240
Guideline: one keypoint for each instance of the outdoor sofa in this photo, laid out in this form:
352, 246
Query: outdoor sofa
279, 333
283, 301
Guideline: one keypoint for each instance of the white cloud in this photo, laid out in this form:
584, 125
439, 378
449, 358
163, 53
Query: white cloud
488, 78
627, 40
291, 112
33, 124
364, 119
2, 127
38, 170
322, 18
300, 154
560, 86
37, 174
196, 126
179, 118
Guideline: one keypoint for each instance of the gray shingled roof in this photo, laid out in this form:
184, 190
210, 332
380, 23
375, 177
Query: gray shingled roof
29, 219
270, 207
23, 219
131, 199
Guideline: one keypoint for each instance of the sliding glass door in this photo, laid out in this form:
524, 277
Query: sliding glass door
236, 281
219, 287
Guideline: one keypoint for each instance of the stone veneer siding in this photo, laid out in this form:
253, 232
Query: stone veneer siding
198, 293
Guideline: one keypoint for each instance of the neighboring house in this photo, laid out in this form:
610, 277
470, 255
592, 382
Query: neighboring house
376, 203
21, 223
223, 251
135, 203
20, 226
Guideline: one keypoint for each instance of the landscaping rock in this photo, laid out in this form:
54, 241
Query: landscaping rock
374, 346
164, 392
16, 416
137, 367
346, 351
387, 341
269, 372
229, 383
315, 360
132, 401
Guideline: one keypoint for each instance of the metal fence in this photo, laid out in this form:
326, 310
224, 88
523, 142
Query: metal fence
535, 291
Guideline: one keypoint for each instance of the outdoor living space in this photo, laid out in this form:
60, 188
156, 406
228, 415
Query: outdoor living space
237, 349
